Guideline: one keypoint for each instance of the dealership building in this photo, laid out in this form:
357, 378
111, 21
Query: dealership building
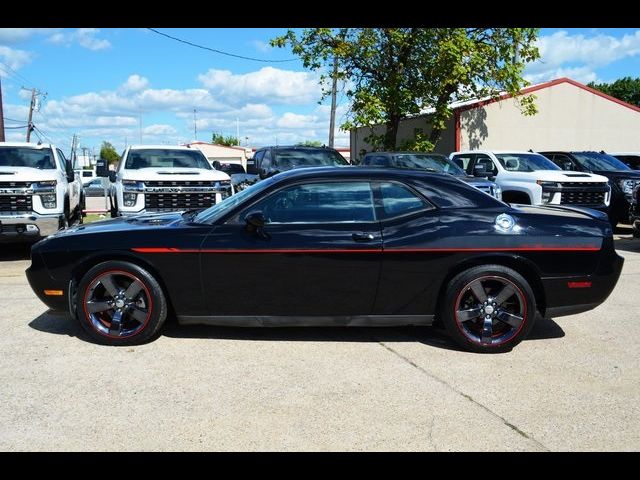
571, 116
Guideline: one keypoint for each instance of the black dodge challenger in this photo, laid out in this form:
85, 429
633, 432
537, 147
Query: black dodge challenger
334, 246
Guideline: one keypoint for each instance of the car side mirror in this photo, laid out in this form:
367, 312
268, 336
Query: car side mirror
256, 220
480, 171
71, 175
112, 177
102, 168
567, 166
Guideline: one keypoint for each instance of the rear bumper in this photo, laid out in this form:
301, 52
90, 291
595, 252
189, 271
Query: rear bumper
572, 295
27, 226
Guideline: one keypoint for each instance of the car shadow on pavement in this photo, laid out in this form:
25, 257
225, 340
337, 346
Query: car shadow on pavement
62, 324
15, 251
628, 244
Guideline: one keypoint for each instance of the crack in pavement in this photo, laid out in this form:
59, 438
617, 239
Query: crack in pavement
468, 397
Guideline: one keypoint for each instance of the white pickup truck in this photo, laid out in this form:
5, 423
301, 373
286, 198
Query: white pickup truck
163, 178
532, 179
39, 191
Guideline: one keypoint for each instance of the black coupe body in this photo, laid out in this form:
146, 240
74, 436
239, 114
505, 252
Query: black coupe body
334, 246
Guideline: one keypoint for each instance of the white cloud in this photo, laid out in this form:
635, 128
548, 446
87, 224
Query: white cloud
578, 56
135, 83
16, 35
295, 120
85, 37
159, 129
14, 58
268, 84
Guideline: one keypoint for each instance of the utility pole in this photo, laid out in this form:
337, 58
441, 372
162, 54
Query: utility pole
31, 107
1, 114
238, 130
334, 88
195, 126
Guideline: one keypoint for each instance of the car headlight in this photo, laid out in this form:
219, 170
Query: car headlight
129, 199
627, 186
133, 186
49, 200
46, 184
547, 194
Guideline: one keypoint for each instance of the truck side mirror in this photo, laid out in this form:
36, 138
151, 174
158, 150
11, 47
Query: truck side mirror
71, 175
567, 166
480, 171
112, 176
102, 168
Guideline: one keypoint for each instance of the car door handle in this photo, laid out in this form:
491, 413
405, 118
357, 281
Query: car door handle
362, 237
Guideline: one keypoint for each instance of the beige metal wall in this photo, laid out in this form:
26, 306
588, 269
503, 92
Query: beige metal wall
223, 154
406, 131
569, 118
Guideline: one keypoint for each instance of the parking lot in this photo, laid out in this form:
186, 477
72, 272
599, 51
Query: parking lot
573, 385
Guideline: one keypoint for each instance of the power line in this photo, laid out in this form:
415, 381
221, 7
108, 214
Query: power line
17, 74
220, 51
12, 120
9, 128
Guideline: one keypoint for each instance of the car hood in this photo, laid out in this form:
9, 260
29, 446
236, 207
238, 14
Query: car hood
26, 174
121, 224
617, 174
555, 176
174, 174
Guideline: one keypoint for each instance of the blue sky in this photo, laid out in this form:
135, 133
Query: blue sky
100, 83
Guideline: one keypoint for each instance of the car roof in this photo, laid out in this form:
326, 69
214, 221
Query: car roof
367, 173
37, 146
297, 147
402, 152
499, 152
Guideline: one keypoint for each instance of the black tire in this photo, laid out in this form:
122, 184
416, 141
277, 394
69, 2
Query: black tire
141, 316
114, 209
64, 220
498, 328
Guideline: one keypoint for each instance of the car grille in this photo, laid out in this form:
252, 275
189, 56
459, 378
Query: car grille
583, 193
15, 184
15, 203
180, 183
178, 201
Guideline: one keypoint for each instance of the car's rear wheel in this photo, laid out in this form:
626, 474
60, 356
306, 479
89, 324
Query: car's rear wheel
120, 303
488, 309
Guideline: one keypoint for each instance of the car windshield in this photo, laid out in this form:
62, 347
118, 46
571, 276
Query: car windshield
525, 162
599, 161
166, 157
217, 211
40, 158
301, 157
430, 162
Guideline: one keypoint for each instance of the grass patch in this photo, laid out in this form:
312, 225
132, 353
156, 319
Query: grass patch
94, 217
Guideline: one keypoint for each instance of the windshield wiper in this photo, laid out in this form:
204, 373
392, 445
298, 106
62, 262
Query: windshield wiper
192, 213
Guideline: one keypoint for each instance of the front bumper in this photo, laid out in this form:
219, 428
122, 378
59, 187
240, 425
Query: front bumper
25, 227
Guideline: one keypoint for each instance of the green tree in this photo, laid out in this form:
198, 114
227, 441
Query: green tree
626, 89
310, 143
228, 141
109, 153
397, 72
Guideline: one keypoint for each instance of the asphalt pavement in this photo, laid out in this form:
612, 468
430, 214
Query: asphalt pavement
573, 385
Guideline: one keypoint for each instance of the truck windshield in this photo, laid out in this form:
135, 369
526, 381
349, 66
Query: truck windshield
40, 158
166, 158
432, 163
599, 161
525, 162
298, 157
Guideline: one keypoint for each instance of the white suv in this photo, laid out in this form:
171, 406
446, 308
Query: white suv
163, 178
532, 179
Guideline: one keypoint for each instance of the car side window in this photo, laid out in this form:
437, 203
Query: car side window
562, 161
376, 161
463, 161
399, 200
328, 202
485, 160
266, 160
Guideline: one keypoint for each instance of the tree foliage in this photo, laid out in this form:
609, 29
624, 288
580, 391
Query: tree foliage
392, 73
310, 143
109, 153
626, 89
228, 141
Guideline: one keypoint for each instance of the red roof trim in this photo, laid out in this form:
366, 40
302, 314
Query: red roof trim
541, 86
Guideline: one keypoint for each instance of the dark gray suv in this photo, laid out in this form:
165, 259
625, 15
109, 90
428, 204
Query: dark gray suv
268, 161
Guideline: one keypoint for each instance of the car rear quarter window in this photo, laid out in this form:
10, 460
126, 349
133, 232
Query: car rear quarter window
399, 200
453, 193
376, 161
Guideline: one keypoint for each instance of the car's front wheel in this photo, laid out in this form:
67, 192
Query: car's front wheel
488, 308
120, 303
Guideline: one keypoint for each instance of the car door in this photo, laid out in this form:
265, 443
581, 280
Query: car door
73, 187
318, 254
409, 278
